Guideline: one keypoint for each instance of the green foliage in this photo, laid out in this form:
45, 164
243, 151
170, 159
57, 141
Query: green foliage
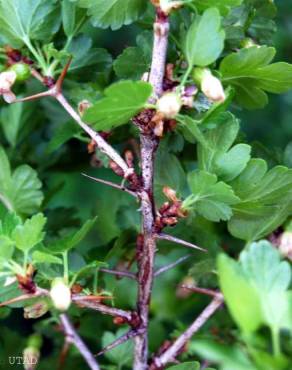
249, 71
205, 39
217, 155
20, 189
70, 241
265, 200
186, 366
262, 280
22, 21
113, 13
121, 355
121, 102
210, 198
224, 6
29, 234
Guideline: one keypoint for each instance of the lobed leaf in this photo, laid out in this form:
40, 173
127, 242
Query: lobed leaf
121, 102
205, 39
210, 198
250, 73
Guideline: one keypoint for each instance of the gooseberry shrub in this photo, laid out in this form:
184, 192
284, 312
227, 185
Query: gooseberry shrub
114, 162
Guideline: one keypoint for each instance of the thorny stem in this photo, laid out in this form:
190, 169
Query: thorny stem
173, 351
101, 143
74, 338
85, 301
149, 144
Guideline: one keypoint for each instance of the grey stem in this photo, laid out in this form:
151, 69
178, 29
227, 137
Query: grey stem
172, 352
74, 338
149, 144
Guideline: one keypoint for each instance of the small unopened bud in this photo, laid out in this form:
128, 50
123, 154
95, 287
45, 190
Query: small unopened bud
7, 80
285, 245
210, 85
168, 5
83, 106
170, 194
60, 294
169, 105
31, 357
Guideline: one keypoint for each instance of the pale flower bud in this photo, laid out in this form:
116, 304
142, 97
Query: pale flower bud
7, 79
168, 5
210, 85
31, 357
169, 105
60, 294
285, 245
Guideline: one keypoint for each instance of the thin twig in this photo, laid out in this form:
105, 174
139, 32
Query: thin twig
111, 184
127, 274
172, 265
24, 297
173, 239
104, 147
172, 352
84, 301
122, 339
195, 289
74, 338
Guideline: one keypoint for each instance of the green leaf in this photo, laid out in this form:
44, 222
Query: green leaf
229, 357
270, 277
134, 61
68, 17
217, 155
7, 226
85, 55
262, 281
205, 39
250, 73
63, 133
210, 198
121, 355
223, 5
241, 298
266, 200
121, 102
70, 241
22, 21
20, 191
42, 257
29, 234
71, 17
131, 64
169, 171
113, 13
186, 366
13, 118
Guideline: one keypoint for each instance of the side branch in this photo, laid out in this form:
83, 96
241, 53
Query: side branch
172, 352
85, 301
74, 338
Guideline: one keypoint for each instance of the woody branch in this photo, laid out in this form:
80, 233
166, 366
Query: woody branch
149, 144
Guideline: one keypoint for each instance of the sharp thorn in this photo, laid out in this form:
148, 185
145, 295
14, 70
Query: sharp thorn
179, 241
62, 76
111, 184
